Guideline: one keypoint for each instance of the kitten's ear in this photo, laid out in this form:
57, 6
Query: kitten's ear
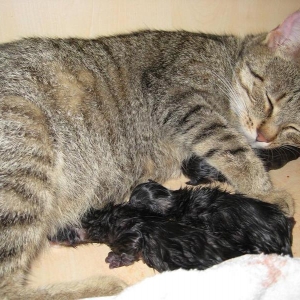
285, 38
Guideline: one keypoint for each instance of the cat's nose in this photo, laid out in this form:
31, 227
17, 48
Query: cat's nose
261, 138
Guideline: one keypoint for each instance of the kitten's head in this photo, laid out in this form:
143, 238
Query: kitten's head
267, 85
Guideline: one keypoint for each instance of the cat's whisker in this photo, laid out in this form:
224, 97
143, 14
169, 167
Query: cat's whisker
290, 148
228, 56
238, 102
281, 153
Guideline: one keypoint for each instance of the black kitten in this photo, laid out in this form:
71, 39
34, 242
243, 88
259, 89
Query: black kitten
189, 229
250, 224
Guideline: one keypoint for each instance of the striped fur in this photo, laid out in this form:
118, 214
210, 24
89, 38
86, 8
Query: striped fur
83, 121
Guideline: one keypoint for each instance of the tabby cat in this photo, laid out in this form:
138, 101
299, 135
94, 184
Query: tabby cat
84, 121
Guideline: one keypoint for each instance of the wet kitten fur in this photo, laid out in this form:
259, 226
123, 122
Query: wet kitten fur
84, 121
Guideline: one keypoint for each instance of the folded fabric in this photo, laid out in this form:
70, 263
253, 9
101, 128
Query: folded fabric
249, 277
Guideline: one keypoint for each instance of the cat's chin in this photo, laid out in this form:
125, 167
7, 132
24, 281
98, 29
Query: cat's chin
259, 145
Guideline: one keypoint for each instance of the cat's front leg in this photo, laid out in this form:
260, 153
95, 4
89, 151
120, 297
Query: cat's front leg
224, 149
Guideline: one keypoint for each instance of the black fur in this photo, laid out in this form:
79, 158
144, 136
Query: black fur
69, 236
189, 229
276, 158
199, 171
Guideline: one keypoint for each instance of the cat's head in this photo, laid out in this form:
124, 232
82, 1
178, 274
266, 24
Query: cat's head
267, 86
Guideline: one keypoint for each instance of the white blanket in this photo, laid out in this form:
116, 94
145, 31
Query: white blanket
249, 277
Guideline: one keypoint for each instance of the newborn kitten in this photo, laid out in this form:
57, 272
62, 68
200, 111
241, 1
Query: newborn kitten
187, 228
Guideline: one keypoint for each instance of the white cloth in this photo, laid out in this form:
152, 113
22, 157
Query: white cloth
249, 277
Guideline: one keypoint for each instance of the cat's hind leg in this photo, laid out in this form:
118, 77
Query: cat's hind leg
27, 201
26, 160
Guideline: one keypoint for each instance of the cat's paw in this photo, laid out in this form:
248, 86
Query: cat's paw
283, 199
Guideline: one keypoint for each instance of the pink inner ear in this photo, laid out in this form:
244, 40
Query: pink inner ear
287, 35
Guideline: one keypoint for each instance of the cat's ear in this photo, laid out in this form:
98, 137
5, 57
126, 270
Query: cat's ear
285, 38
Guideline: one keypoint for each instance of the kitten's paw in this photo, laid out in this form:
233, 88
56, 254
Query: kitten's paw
68, 236
283, 199
115, 260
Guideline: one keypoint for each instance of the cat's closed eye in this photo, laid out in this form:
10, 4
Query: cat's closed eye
269, 105
254, 73
291, 128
